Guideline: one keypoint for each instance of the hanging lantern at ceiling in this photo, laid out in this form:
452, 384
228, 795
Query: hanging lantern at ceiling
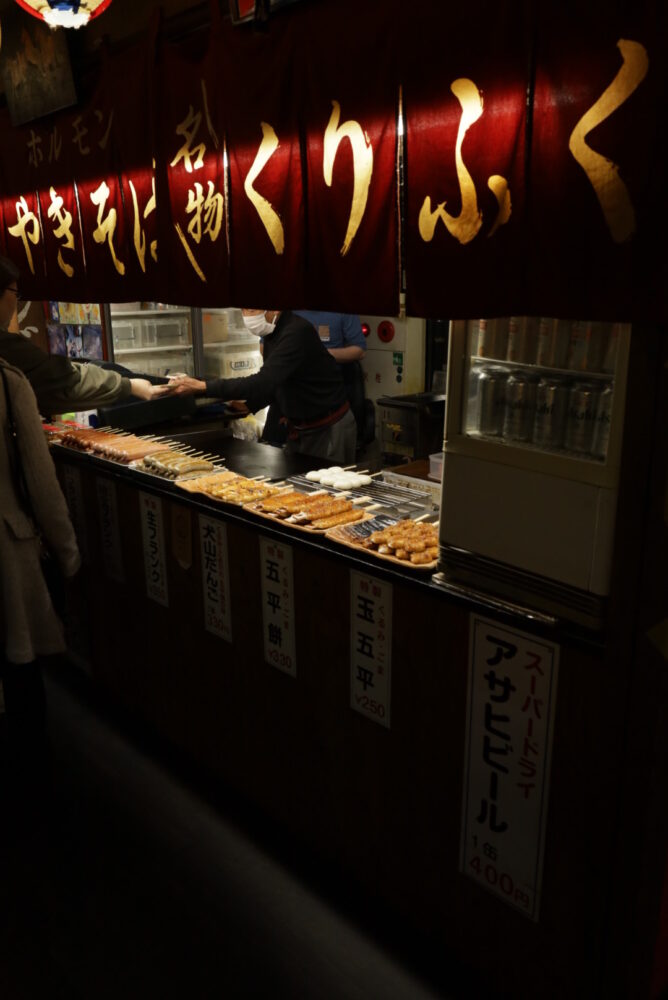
64, 13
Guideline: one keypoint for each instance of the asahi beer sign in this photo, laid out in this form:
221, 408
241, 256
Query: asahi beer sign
512, 688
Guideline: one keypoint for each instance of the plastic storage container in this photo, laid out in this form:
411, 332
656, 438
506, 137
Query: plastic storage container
436, 466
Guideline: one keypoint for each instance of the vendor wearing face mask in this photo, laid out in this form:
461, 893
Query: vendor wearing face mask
300, 376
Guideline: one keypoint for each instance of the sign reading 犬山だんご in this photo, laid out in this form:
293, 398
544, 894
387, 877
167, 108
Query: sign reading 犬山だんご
305, 184
509, 728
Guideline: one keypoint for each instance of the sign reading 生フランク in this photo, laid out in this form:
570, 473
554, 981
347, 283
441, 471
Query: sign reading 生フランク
370, 646
153, 535
509, 730
278, 616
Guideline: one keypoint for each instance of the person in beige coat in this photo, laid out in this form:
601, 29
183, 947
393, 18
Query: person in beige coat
29, 626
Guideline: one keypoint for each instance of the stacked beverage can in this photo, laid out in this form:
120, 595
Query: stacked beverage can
603, 421
583, 401
551, 412
492, 338
492, 400
587, 346
472, 414
553, 342
520, 407
522, 337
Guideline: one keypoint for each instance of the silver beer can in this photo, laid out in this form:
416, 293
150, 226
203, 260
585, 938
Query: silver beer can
553, 341
520, 407
581, 420
472, 415
551, 412
522, 340
603, 421
492, 397
586, 347
609, 359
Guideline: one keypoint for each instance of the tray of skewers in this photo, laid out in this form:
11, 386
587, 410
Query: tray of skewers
313, 513
408, 543
228, 487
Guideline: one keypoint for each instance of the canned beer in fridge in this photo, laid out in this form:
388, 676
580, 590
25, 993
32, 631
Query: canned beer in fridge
493, 338
492, 400
581, 420
603, 421
609, 360
553, 342
472, 414
551, 411
585, 351
520, 407
521, 347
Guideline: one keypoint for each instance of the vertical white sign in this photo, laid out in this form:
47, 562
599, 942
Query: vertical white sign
512, 694
71, 479
215, 577
278, 614
370, 647
153, 535
110, 535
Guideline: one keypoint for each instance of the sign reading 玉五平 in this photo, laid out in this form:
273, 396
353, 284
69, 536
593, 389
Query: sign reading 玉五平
278, 617
153, 536
512, 688
215, 577
370, 646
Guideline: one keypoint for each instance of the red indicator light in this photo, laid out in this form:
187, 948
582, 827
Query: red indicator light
366, 329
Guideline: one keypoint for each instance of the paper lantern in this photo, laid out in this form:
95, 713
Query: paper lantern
64, 13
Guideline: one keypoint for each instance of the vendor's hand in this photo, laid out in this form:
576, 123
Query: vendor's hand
141, 388
237, 404
184, 385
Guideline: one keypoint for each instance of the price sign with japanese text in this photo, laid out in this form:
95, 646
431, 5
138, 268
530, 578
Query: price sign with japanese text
278, 615
370, 646
71, 479
153, 535
512, 694
215, 577
110, 535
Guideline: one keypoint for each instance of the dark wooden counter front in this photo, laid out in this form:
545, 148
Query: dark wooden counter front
382, 805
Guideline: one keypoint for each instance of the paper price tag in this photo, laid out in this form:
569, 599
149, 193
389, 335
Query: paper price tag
370, 647
278, 605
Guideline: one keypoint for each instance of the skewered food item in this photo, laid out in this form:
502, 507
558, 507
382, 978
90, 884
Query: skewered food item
409, 541
347, 517
109, 444
321, 509
340, 479
175, 463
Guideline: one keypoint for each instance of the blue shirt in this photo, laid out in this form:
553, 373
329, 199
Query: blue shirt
343, 329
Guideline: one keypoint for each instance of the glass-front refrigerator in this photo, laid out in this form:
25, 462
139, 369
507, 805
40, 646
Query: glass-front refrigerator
535, 412
152, 338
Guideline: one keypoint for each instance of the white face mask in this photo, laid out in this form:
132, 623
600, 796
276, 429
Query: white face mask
258, 325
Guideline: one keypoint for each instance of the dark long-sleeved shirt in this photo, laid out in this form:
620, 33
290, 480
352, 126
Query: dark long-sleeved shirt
298, 374
59, 383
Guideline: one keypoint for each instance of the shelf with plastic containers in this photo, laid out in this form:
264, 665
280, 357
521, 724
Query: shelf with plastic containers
230, 351
534, 421
155, 340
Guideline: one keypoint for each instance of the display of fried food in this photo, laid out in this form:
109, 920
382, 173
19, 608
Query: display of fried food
110, 444
241, 490
288, 502
322, 508
410, 541
172, 464
203, 484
